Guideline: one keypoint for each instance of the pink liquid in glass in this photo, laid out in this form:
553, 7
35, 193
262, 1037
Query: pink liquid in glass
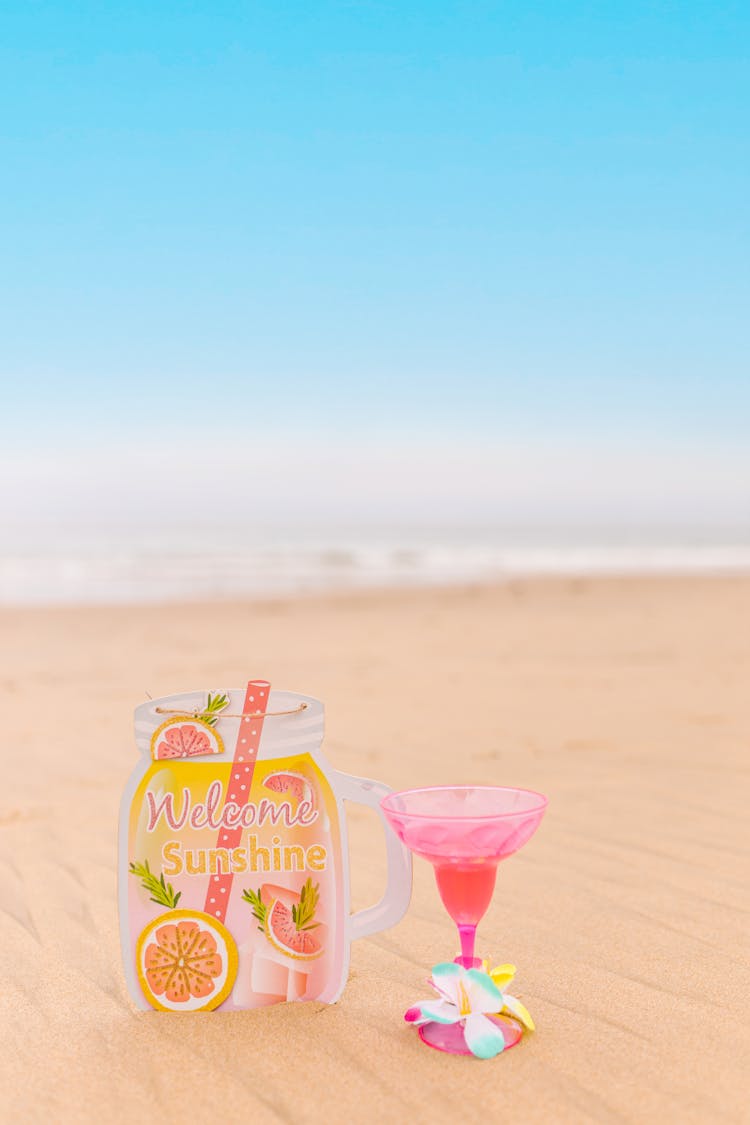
466, 891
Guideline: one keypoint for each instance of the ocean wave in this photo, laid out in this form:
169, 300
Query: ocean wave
142, 575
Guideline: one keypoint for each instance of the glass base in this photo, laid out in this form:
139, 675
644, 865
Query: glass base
450, 1036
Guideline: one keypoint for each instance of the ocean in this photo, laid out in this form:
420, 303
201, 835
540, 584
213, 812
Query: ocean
217, 563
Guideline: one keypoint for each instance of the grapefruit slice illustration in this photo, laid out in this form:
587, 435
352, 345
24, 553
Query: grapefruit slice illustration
286, 938
180, 738
186, 962
269, 892
289, 784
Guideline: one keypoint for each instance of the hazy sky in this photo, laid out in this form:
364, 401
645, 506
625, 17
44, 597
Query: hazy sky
394, 259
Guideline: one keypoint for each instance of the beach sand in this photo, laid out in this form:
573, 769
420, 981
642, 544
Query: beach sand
625, 700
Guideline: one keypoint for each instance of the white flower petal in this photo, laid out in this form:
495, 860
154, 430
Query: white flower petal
483, 1038
441, 1011
483, 994
414, 1014
446, 978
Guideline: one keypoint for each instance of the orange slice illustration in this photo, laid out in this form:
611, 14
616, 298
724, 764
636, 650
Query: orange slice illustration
186, 962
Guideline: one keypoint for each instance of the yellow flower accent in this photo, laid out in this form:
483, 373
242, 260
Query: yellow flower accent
501, 976
465, 1004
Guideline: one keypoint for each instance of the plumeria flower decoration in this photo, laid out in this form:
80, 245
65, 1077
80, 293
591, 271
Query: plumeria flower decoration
468, 997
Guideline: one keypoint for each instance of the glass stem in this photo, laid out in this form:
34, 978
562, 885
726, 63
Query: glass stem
467, 935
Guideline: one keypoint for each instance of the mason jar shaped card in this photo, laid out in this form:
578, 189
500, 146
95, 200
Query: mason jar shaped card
233, 861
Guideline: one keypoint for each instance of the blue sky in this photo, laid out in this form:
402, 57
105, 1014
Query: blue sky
429, 231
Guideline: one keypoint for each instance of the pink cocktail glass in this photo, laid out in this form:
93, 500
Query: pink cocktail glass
464, 831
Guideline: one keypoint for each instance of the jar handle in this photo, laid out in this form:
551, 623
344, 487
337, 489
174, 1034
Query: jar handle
394, 903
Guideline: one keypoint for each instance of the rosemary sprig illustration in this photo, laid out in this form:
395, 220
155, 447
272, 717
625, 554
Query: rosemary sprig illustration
215, 704
304, 912
260, 910
162, 893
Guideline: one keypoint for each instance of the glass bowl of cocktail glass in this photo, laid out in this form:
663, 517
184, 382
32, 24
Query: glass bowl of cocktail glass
464, 831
